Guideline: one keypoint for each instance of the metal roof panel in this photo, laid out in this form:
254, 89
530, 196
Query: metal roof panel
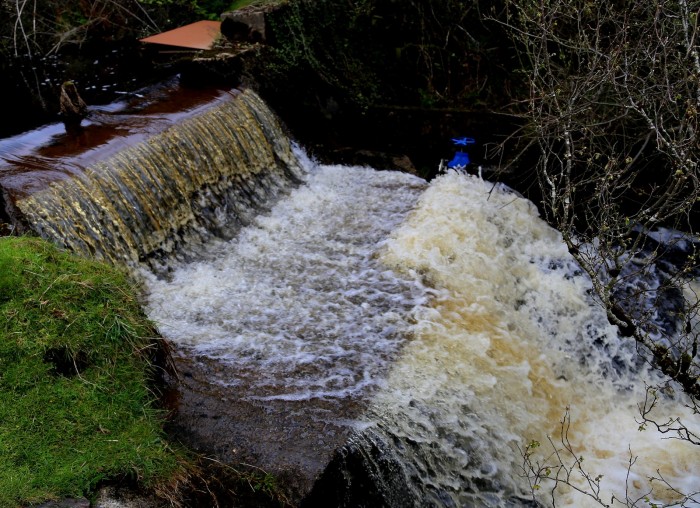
199, 35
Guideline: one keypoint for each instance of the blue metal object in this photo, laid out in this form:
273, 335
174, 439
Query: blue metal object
463, 141
460, 160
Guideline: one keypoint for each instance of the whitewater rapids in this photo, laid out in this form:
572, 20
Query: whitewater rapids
452, 311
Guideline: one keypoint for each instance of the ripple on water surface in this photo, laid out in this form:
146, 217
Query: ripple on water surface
323, 300
298, 305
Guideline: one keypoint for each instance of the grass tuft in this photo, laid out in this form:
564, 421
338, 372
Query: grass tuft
75, 367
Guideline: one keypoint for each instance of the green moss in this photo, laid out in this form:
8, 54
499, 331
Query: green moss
75, 366
238, 4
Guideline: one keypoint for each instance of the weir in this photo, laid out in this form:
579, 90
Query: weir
164, 196
367, 337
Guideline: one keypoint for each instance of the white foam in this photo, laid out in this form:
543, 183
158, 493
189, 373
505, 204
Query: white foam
513, 341
298, 303
314, 300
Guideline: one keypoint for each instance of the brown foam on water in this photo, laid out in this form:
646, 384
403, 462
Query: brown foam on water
500, 357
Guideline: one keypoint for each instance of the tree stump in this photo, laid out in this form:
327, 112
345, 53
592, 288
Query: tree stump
73, 108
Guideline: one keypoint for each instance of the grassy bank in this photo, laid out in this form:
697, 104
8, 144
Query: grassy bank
75, 366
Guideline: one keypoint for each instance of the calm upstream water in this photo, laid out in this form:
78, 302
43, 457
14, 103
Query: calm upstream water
404, 342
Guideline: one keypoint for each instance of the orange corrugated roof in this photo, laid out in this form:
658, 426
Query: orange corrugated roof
199, 35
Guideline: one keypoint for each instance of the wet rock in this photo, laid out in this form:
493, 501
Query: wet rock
363, 473
376, 159
113, 497
246, 24
291, 440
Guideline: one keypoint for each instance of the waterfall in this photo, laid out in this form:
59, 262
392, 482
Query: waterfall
294, 323
511, 350
369, 337
436, 339
205, 177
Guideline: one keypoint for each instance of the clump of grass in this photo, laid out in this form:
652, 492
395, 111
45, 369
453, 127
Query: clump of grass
75, 366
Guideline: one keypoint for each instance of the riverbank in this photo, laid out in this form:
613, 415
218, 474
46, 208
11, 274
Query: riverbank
78, 389
84, 394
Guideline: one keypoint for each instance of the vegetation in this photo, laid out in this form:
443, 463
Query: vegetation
612, 120
239, 4
377, 53
94, 43
613, 114
608, 94
44, 27
76, 361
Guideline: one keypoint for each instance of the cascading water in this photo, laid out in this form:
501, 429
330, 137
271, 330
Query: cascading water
296, 319
419, 336
511, 350
469, 334
207, 177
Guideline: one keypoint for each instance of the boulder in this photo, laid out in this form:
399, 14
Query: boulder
244, 25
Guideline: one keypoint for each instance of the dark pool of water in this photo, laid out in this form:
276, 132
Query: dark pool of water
102, 73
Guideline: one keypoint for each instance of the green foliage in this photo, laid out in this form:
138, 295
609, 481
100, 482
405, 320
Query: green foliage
75, 407
372, 52
238, 4
211, 9
50, 25
341, 49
